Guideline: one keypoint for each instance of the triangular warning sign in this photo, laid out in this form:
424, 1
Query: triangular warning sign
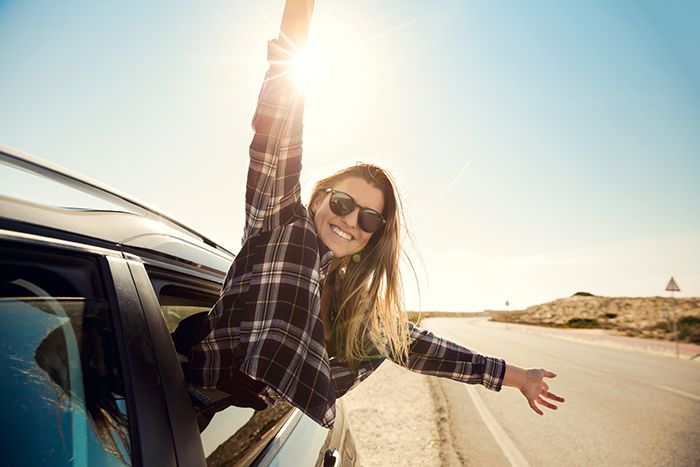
672, 286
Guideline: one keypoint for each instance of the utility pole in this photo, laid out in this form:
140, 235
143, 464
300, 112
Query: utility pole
673, 287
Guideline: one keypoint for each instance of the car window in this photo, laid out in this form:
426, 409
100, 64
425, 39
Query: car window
60, 378
235, 435
177, 303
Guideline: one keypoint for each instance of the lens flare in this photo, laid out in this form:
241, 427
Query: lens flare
307, 67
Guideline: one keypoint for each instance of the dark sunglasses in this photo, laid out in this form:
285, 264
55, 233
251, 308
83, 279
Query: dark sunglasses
342, 204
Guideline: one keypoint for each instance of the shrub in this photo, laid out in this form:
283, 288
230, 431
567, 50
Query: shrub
689, 321
583, 294
585, 323
689, 328
611, 315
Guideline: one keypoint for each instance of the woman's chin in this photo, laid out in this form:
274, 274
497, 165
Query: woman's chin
341, 251
338, 250
338, 246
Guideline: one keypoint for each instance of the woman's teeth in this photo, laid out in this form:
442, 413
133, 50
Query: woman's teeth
340, 233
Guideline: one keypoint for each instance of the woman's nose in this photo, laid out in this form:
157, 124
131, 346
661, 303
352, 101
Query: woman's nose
351, 218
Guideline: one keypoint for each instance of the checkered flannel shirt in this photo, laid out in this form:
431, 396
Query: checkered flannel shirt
267, 322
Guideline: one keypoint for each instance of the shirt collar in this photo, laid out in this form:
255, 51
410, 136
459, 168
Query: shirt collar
325, 253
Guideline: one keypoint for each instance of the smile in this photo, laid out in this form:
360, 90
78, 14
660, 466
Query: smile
341, 233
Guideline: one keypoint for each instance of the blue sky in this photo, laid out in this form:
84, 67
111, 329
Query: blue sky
542, 148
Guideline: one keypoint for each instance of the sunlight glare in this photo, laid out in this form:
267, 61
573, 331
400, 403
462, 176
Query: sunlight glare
307, 67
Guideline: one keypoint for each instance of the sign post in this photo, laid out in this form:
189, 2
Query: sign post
673, 287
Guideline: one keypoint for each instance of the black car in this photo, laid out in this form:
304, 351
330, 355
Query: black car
89, 374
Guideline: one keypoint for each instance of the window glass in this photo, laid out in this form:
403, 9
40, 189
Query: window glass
234, 435
178, 303
60, 379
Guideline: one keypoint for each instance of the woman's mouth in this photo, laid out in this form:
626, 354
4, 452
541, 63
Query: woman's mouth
341, 233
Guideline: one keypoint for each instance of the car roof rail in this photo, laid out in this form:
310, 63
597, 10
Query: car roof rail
35, 165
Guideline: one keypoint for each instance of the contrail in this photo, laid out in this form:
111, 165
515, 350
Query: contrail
381, 34
461, 172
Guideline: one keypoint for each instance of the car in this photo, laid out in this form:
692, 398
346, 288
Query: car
89, 375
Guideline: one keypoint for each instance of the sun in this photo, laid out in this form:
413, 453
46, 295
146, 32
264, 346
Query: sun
307, 67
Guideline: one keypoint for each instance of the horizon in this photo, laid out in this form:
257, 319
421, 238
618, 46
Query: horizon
540, 150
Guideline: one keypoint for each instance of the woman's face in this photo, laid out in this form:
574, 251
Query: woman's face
342, 234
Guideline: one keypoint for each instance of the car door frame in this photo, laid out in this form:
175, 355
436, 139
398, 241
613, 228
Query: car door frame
183, 423
150, 432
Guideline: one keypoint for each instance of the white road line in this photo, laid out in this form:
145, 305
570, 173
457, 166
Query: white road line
511, 451
679, 392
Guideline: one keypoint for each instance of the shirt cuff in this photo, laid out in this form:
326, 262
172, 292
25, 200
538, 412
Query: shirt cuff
279, 52
494, 372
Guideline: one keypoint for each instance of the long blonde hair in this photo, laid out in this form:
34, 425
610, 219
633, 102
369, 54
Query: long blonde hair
366, 296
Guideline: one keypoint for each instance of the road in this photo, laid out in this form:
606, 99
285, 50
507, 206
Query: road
623, 407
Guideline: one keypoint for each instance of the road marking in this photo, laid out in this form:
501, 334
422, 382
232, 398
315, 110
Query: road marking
679, 392
511, 451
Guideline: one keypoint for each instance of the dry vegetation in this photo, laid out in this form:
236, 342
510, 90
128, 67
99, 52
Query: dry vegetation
416, 316
632, 316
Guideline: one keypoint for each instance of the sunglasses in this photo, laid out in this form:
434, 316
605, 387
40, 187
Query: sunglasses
342, 204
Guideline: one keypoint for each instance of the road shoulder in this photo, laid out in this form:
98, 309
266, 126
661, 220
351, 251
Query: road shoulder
395, 419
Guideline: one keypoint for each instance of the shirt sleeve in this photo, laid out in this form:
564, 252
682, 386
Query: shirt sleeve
433, 355
272, 187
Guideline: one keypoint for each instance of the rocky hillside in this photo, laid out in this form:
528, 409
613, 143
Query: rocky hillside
634, 316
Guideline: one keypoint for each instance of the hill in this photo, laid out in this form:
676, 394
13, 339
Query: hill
632, 316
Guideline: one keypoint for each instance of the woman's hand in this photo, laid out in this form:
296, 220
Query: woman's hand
296, 19
536, 390
532, 385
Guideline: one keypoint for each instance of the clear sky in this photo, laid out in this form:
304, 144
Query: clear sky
542, 148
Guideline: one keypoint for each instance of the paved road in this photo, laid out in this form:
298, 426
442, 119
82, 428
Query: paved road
623, 407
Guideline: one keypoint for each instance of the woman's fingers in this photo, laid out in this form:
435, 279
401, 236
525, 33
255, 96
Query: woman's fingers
535, 408
551, 395
536, 390
549, 405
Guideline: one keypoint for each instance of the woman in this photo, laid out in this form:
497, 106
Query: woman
312, 304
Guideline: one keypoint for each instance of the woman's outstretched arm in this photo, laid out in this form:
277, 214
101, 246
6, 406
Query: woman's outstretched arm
433, 355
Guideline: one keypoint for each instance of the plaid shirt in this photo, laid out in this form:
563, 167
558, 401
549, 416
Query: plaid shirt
267, 322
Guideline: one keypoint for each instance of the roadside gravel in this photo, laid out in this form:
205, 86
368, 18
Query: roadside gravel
398, 418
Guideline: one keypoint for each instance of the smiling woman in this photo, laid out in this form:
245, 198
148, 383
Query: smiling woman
343, 224
313, 303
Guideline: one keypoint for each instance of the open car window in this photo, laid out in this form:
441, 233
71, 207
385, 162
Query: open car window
235, 435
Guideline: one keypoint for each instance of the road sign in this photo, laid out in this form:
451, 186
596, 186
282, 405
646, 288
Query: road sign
672, 286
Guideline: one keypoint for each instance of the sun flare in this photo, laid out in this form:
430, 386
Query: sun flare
307, 67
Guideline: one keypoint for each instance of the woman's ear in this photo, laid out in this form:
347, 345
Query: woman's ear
315, 204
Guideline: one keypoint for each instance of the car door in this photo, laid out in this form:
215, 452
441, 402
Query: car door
78, 371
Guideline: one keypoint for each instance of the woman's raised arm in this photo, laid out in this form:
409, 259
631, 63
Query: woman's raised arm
272, 187
296, 20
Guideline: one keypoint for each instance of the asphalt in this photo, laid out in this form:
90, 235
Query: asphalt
627, 402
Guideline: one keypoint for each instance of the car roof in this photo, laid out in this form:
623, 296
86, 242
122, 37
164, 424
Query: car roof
130, 223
